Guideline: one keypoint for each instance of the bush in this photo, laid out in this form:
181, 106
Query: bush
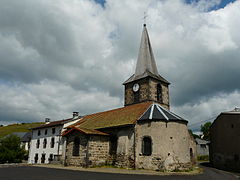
11, 150
203, 158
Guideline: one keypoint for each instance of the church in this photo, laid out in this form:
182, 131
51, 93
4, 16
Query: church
144, 134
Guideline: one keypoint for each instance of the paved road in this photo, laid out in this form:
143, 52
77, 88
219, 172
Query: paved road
40, 173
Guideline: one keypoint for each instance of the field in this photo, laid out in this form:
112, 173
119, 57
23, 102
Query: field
23, 127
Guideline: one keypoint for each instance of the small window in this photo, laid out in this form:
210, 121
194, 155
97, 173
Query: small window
76, 146
45, 131
39, 132
44, 143
52, 142
203, 146
38, 144
53, 130
159, 93
232, 126
146, 146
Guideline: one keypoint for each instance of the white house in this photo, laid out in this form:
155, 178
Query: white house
46, 143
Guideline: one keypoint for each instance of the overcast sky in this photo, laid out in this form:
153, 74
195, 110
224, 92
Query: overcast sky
61, 56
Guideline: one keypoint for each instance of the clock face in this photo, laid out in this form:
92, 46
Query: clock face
135, 87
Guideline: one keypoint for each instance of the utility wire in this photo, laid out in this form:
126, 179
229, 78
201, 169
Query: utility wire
216, 113
197, 123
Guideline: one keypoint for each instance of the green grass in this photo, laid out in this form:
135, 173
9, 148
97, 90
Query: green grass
24, 127
203, 158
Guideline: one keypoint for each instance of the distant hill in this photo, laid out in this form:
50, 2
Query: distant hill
23, 127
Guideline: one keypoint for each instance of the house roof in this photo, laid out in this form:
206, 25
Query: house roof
27, 137
55, 123
234, 111
201, 141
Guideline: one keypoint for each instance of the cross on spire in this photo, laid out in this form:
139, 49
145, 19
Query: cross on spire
144, 18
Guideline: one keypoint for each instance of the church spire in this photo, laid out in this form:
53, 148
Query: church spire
146, 61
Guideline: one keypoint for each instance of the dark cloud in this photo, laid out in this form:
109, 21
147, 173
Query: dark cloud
56, 58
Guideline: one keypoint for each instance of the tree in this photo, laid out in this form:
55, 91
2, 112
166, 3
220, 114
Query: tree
205, 129
11, 150
194, 135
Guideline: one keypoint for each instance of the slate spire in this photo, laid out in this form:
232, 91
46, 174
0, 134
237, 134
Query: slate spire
146, 61
146, 65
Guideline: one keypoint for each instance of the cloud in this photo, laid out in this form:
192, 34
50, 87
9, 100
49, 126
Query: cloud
56, 58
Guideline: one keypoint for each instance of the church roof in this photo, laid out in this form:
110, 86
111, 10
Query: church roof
157, 112
117, 117
146, 65
128, 115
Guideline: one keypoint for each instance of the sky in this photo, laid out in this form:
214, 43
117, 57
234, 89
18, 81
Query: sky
56, 58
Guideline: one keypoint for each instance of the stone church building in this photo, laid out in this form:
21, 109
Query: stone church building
144, 134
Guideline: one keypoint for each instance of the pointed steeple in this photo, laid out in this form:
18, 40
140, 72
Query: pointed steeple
146, 61
146, 84
146, 65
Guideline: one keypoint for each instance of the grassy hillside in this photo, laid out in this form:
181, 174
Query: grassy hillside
24, 127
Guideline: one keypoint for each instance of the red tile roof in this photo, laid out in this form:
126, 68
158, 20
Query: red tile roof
84, 131
54, 123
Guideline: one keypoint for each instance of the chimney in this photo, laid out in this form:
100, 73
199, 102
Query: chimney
47, 120
75, 115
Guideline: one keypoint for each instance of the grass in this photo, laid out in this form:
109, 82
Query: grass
23, 127
203, 158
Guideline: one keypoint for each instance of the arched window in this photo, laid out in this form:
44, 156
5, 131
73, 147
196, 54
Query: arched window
52, 142
147, 146
44, 143
76, 146
159, 92
38, 144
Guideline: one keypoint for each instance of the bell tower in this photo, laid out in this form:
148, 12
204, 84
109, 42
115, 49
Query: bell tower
146, 84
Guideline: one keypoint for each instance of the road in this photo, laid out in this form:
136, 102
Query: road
41, 173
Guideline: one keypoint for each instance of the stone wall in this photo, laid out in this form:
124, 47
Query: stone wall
193, 146
76, 160
98, 150
124, 156
147, 92
170, 145
153, 92
93, 150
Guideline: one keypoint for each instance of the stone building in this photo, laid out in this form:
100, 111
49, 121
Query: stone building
225, 141
142, 134
202, 147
